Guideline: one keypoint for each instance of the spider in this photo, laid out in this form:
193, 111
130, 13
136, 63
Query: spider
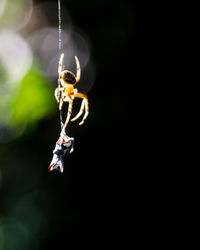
67, 91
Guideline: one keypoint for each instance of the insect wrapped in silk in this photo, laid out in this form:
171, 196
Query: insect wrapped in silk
64, 146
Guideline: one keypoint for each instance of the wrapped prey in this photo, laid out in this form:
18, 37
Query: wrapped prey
64, 146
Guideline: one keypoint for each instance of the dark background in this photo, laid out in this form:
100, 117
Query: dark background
101, 198
88, 204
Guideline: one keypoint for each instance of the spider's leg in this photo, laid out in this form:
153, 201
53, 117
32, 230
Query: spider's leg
80, 95
61, 103
78, 69
59, 98
68, 113
80, 112
56, 93
60, 63
86, 111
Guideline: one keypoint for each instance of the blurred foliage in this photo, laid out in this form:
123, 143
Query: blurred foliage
3, 74
34, 99
28, 101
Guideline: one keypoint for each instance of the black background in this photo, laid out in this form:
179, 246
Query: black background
107, 194
97, 181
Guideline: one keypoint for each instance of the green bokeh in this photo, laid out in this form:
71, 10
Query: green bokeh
34, 100
28, 101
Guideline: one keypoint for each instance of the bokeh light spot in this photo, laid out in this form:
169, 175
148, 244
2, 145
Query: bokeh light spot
2, 6
34, 101
15, 14
15, 56
27, 102
14, 234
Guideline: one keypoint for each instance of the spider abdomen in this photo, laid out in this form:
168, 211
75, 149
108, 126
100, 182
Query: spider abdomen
68, 77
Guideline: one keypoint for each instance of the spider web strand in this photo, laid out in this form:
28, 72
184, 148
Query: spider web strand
59, 50
59, 29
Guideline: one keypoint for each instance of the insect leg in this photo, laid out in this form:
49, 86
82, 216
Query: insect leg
80, 95
56, 93
80, 112
78, 69
60, 63
68, 113
86, 111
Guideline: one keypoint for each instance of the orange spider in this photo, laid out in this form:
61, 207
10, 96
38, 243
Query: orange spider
68, 92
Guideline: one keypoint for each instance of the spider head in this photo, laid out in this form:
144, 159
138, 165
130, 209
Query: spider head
68, 77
